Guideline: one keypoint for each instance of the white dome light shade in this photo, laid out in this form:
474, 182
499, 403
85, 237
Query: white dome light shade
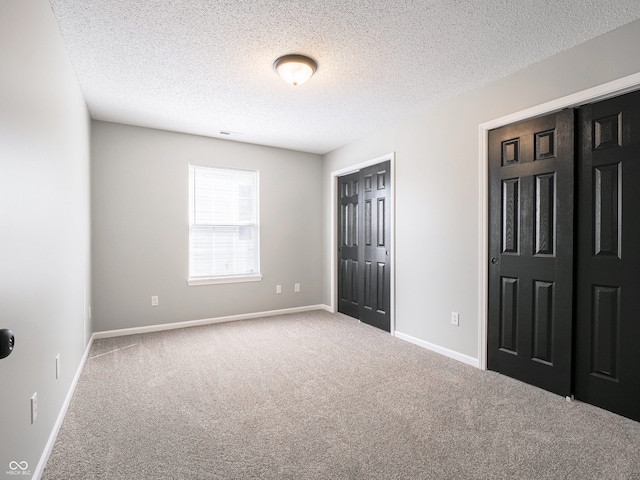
295, 69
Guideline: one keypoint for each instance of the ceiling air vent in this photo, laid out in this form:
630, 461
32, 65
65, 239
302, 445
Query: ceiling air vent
227, 133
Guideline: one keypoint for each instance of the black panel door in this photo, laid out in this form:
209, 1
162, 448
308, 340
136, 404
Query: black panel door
531, 178
364, 271
348, 245
607, 372
375, 271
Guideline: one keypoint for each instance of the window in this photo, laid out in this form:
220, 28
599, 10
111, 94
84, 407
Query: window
224, 232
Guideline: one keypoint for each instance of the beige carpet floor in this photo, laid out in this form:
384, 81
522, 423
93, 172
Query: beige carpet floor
320, 396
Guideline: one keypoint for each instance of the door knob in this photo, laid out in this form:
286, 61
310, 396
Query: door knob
7, 341
495, 260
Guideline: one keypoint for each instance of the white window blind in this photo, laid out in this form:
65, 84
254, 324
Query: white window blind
224, 237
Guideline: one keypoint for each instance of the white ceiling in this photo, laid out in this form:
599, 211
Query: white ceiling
205, 66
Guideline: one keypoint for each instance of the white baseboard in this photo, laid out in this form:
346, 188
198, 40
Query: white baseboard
205, 321
474, 362
63, 411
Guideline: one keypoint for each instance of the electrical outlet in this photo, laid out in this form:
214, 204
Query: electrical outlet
154, 301
57, 366
455, 318
296, 287
278, 288
34, 407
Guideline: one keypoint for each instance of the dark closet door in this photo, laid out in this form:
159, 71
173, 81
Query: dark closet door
607, 372
349, 245
364, 270
531, 251
376, 233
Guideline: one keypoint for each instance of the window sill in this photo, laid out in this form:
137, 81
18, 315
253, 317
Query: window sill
194, 282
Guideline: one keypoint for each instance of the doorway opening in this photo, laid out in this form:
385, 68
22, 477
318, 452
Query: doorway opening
568, 334
363, 241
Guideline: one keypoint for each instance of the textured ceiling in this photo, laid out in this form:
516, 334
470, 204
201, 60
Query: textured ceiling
205, 66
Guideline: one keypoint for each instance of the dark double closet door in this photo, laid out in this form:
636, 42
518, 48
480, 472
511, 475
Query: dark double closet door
364, 233
564, 250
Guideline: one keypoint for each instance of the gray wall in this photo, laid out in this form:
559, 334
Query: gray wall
140, 227
437, 173
44, 225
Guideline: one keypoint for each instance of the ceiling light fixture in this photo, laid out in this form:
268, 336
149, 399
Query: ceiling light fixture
295, 69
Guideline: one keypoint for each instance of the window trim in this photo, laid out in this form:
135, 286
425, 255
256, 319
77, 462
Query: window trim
221, 279
194, 282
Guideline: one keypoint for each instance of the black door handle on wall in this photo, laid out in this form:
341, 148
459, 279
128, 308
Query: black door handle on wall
7, 342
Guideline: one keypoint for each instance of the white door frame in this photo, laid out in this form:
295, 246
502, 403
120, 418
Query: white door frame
600, 92
334, 231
